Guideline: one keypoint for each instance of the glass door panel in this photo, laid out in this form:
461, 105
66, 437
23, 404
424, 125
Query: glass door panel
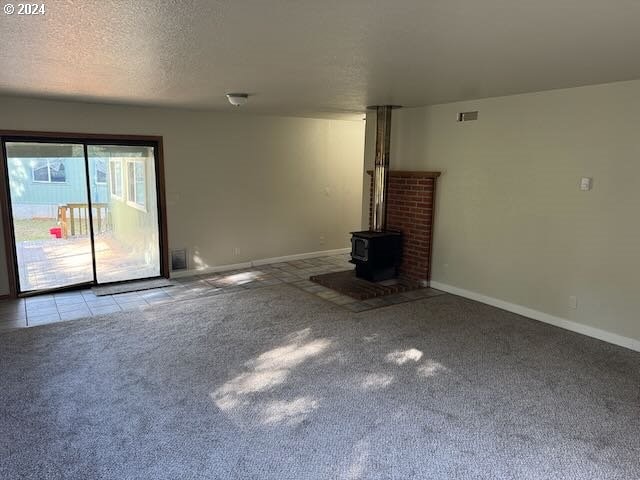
125, 212
48, 191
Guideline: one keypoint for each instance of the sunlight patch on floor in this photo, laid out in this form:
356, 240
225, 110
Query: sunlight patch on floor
241, 395
400, 357
431, 368
358, 463
289, 356
241, 278
288, 412
232, 393
376, 381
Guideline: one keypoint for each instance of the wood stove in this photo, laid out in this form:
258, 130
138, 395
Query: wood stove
376, 255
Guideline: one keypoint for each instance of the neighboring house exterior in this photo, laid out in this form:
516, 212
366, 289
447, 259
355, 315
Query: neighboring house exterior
40, 185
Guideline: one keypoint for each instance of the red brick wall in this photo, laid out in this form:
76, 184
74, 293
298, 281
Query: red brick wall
410, 202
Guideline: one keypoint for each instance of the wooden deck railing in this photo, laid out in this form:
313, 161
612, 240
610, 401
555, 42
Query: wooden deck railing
74, 218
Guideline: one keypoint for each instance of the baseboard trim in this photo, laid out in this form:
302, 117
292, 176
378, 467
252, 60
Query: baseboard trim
603, 335
259, 262
300, 256
215, 269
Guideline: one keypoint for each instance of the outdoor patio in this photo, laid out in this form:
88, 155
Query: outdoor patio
56, 262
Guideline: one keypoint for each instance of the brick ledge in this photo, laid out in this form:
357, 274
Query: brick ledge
410, 173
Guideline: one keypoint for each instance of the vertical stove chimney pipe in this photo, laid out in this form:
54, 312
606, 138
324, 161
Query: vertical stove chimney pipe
381, 171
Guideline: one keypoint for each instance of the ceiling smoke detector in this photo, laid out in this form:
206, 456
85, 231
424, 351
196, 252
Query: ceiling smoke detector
237, 99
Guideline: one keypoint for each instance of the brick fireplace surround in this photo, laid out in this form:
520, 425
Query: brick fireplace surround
410, 206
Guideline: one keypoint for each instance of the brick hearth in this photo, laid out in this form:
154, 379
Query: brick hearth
347, 283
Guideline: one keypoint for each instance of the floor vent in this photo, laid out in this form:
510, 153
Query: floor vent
467, 116
178, 259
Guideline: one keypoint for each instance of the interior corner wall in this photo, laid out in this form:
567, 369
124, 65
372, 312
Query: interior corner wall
269, 186
511, 222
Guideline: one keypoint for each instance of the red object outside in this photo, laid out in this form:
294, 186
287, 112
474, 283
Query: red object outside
57, 231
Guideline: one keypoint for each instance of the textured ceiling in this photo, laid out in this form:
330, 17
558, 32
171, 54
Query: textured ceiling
307, 57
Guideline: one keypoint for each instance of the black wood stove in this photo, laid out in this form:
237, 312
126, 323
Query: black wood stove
376, 255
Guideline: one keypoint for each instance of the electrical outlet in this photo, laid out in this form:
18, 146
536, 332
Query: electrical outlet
573, 302
236, 251
322, 240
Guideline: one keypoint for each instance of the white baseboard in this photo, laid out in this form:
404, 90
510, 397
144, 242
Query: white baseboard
256, 263
301, 256
603, 335
217, 268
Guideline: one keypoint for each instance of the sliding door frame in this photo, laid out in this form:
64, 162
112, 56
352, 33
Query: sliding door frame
82, 139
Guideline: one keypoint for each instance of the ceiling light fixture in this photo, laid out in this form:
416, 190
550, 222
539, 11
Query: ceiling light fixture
237, 99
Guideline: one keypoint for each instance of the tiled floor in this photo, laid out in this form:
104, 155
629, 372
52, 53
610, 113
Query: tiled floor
78, 304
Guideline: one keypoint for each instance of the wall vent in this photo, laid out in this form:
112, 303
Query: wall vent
179, 259
467, 116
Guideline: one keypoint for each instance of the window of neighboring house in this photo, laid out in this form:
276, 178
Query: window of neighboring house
48, 171
136, 194
115, 171
101, 171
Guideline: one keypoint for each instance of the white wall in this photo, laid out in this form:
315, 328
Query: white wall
271, 186
511, 222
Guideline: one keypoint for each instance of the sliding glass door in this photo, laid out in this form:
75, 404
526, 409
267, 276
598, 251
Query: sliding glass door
48, 190
125, 220
82, 212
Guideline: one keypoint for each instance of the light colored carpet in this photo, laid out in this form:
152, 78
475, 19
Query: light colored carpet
278, 384
131, 286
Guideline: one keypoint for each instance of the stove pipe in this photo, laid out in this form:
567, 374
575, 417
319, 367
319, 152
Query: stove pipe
381, 170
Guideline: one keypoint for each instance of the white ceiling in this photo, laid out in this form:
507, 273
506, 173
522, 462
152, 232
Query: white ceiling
307, 57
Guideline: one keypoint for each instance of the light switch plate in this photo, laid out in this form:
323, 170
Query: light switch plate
585, 183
